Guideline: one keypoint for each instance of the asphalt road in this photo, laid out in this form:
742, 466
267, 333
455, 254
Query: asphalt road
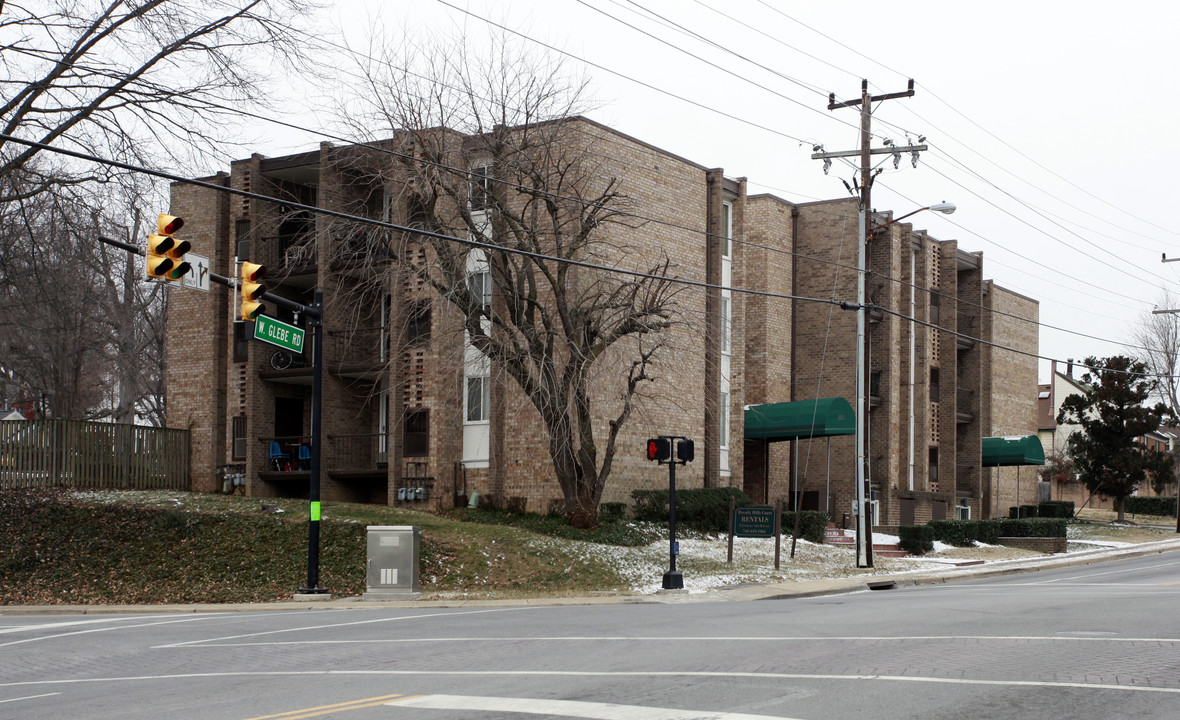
1096, 641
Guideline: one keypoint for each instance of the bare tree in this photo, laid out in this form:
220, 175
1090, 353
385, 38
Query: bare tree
134, 81
1159, 336
490, 150
77, 325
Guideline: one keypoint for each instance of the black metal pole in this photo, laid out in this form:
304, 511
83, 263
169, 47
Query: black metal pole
315, 319
673, 580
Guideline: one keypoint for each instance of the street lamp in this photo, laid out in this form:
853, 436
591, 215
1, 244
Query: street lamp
864, 530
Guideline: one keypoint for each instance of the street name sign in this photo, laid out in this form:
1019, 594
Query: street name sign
755, 521
279, 333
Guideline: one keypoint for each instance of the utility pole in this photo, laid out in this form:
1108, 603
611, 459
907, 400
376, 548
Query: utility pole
864, 525
1171, 311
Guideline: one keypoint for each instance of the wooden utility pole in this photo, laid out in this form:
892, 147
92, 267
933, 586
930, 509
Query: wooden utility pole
864, 524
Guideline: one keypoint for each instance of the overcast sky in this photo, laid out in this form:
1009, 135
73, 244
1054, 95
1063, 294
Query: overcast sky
1051, 124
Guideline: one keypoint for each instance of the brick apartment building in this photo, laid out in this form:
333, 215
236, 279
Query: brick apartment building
412, 415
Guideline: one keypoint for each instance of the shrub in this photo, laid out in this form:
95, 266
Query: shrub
812, 525
1057, 509
1033, 527
916, 539
1151, 505
704, 509
609, 512
962, 533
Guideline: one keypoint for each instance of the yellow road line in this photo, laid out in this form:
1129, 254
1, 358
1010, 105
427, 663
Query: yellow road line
329, 709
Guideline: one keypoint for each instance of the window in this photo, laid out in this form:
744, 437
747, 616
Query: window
239, 437
726, 227
383, 423
480, 187
724, 419
383, 339
416, 434
418, 324
479, 398
480, 285
725, 324
241, 342
933, 464
935, 392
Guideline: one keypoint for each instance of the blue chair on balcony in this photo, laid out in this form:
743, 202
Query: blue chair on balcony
279, 460
304, 457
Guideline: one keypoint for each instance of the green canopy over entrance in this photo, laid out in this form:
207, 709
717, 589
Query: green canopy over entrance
824, 417
1013, 450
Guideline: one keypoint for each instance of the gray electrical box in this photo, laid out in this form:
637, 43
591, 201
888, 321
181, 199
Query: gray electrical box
393, 562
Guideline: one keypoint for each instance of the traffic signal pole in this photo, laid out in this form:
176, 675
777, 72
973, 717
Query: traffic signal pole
316, 320
315, 317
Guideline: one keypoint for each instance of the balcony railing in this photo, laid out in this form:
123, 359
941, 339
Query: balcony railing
366, 451
287, 453
359, 346
356, 244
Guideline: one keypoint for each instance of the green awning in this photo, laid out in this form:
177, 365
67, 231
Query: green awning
1013, 450
801, 419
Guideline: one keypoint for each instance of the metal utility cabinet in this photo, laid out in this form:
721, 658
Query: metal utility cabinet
392, 562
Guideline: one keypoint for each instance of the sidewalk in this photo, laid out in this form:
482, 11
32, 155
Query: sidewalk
739, 593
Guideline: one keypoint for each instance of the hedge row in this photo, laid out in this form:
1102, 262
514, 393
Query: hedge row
1151, 505
707, 510
962, 533
703, 509
916, 539
1056, 509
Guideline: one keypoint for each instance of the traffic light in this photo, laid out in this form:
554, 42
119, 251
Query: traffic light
165, 255
685, 450
166, 225
252, 289
659, 449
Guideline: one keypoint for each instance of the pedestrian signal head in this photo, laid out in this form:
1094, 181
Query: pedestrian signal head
659, 449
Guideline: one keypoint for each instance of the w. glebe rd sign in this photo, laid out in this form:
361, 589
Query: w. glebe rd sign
278, 333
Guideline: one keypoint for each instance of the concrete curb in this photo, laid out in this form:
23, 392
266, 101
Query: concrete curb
744, 593
816, 588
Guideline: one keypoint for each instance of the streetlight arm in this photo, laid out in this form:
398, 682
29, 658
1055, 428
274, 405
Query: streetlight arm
943, 207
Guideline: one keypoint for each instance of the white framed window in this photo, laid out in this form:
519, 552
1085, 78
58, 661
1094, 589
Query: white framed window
725, 324
479, 283
478, 400
480, 187
724, 419
726, 228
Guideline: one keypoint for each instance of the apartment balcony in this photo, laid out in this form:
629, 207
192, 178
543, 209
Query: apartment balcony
359, 462
968, 331
356, 246
296, 262
964, 405
358, 352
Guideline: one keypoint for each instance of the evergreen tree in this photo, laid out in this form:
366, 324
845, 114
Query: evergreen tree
1112, 415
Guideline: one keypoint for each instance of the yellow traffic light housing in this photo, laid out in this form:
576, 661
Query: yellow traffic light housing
252, 289
165, 255
158, 262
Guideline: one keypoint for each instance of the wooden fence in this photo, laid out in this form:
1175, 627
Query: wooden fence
70, 453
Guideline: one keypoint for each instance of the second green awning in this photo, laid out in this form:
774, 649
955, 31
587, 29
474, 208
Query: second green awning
1013, 450
824, 417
